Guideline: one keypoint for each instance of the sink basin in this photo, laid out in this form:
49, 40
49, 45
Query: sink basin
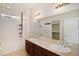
60, 48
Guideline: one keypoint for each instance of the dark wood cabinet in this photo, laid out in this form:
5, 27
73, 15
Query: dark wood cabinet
48, 53
35, 50
29, 48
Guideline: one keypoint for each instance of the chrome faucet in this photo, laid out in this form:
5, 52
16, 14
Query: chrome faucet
62, 43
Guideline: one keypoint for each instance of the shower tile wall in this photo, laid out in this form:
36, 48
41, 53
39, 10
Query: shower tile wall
9, 38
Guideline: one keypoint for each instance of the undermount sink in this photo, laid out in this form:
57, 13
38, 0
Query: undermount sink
60, 48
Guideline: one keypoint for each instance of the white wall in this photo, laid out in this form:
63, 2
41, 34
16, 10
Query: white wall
34, 29
28, 26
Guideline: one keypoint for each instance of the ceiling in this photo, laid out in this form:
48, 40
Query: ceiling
16, 8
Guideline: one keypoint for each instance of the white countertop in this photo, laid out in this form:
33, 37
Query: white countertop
45, 43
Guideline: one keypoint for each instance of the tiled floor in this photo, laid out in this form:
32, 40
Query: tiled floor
20, 52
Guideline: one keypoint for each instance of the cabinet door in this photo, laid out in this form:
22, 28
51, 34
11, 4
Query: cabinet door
37, 50
29, 48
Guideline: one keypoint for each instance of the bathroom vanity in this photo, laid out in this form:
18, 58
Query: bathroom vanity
42, 47
35, 50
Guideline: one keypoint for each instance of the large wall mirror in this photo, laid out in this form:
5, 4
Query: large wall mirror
63, 27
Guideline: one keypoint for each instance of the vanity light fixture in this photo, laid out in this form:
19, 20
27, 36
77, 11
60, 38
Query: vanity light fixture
61, 5
36, 14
